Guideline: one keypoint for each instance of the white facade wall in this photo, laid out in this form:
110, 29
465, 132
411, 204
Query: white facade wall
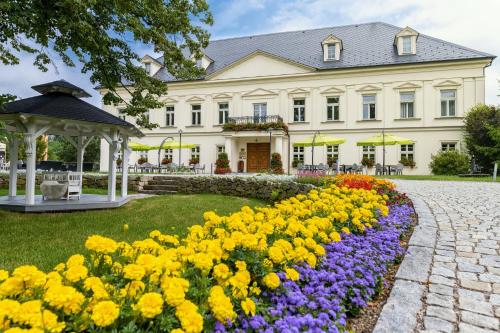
277, 83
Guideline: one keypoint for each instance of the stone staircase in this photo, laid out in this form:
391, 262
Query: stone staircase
160, 185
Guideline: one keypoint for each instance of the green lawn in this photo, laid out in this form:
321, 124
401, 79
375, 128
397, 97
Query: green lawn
433, 177
47, 239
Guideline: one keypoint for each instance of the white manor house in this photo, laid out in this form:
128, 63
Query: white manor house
351, 82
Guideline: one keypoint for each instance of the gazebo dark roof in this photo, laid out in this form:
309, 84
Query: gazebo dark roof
58, 101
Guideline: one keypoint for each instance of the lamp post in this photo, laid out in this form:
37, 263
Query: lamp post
383, 150
180, 144
270, 148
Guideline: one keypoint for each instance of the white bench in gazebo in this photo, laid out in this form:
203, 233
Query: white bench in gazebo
65, 184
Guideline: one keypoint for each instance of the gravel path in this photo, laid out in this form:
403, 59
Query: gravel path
449, 280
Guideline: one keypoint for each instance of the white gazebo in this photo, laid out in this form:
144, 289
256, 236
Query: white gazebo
60, 111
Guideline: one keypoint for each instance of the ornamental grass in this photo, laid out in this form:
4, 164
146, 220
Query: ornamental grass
300, 265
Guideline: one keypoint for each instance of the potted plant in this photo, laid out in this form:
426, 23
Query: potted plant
222, 164
295, 163
142, 160
331, 161
367, 162
276, 164
407, 162
166, 161
194, 160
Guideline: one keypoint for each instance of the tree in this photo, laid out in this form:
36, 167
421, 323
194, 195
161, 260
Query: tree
482, 135
449, 163
97, 34
41, 148
62, 150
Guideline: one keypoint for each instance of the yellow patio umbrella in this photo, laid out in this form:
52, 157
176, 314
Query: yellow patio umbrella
170, 143
319, 139
135, 146
383, 140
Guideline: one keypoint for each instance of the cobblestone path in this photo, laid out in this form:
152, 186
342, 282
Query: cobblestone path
449, 280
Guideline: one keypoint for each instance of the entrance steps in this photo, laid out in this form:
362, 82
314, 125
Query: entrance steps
161, 185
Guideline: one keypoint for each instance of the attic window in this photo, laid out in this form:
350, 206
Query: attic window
406, 44
330, 52
147, 67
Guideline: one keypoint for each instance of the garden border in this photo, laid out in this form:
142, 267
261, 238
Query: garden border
403, 308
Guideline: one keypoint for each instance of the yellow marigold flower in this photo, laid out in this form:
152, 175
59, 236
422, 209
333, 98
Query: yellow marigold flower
101, 244
229, 244
221, 272
202, 261
311, 260
148, 261
64, 298
60, 267
30, 275
50, 322
346, 230
76, 273
132, 289
177, 330
75, 260
320, 250
191, 320
271, 280
292, 274
3, 275
134, 272
248, 307
221, 305
240, 265
105, 313
335, 236
11, 286
150, 305
276, 254
8, 310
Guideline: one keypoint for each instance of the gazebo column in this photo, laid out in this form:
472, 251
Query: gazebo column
125, 160
13, 159
80, 150
114, 147
30, 143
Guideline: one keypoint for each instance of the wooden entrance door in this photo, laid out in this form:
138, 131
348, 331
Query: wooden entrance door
257, 157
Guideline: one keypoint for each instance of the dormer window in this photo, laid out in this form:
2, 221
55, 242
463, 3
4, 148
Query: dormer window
406, 41
407, 44
331, 51
331, 48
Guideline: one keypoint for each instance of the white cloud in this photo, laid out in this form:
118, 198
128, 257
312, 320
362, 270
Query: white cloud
474, 24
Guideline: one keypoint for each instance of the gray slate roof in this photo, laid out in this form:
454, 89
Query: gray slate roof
369, 44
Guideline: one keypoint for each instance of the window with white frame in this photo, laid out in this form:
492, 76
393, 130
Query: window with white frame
220, 149
369, 152
169, 115
298, 154
223, 113
195, 152
196, 114
147, 67
168, 154
259, 112
369, 107
143, 154
408, 152
407, 104
448, 146
299, 110
448, 103
407, 44
330, 52
332, 108
332, 153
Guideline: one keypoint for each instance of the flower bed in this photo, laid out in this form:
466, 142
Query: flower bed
304, 263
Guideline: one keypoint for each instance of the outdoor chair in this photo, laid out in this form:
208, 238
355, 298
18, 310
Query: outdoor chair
378, 169
399, 169
359, 169
354, 168
199, 169
334, 168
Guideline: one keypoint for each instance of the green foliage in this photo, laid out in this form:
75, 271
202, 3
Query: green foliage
222, 164
41, 148
320, 180
407, 162
61, 149
295, 163
255, 126
482, 135
449, 163
276, 164
331, 161
98, 33
367, 162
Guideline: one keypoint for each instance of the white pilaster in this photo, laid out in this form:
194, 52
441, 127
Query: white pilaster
13, 157
125, 161
30, 143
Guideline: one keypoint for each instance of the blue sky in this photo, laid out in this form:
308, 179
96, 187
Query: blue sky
474, 24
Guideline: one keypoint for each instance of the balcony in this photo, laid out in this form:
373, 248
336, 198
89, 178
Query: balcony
255, 123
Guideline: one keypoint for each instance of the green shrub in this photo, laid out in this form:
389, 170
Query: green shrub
222, 164
276, 164
449, 163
